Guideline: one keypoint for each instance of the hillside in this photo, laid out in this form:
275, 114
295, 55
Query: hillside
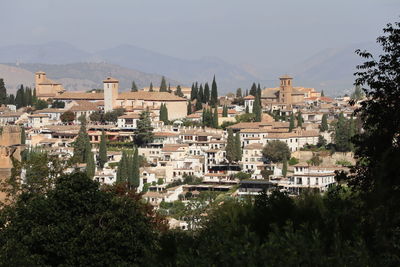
78, 76
229, 76
331, 69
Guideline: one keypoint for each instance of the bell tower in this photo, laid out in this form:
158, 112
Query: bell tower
286, 90
110, 93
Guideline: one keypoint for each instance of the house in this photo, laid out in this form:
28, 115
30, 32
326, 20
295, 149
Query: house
307, 177
128, 121
252, 158
12, 117
295, 140
38, 120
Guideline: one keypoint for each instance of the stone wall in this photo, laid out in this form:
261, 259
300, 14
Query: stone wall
10, 145
327, 160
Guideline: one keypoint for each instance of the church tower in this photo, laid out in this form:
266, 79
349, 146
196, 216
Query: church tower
286, 90
110, 93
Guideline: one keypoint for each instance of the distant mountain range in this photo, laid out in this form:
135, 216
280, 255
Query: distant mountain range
331, 69
79, 76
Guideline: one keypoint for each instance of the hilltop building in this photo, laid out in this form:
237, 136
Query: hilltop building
286, 95
46, 88
130, 101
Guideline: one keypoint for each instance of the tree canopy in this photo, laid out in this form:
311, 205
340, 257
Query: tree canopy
276, 151
77, 224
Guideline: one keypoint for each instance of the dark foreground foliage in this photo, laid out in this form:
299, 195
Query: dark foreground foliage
77, 224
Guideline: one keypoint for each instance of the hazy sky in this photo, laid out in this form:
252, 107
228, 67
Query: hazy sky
252, 32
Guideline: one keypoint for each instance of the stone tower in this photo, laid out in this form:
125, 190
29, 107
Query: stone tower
286, 90
40, 77
110, 93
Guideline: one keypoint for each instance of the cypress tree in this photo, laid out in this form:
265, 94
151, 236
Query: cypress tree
253, 90
169, 88
193, 93
144, 132
103, 150
189, 107
151, 87
11, 99
238, 147
324, 123
214, 93
230, 147
165, 113
198, 105
259, 92
161, 114
322, 93
215, 118
205, 117
200, 95
123, 169
284, 167
90, 165
163, 85
19, 98
225, 111
342, 134
27, 97
23, 136
134, 87
3, 93
239, 93
81, 144
135, 177
34, 98
206, 93
299, 119
247, 92
257, 109
291, 124
178, 91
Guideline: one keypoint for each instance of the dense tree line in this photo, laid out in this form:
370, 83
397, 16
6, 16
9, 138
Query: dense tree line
128, 169
210, 117
204, 96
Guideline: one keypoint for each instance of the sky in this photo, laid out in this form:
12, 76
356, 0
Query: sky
255, 33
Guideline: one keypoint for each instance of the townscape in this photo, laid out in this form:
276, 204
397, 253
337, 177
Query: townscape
199, 133
181, 145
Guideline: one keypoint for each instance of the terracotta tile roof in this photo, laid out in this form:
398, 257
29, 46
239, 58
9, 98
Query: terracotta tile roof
249, 97
254, 146
245, 125
78, 95
254, 130
11, 114
173, 147
292, 135
38, 115
50, 110
150, 96
110, 80
162, 134
130, 116
193, 116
